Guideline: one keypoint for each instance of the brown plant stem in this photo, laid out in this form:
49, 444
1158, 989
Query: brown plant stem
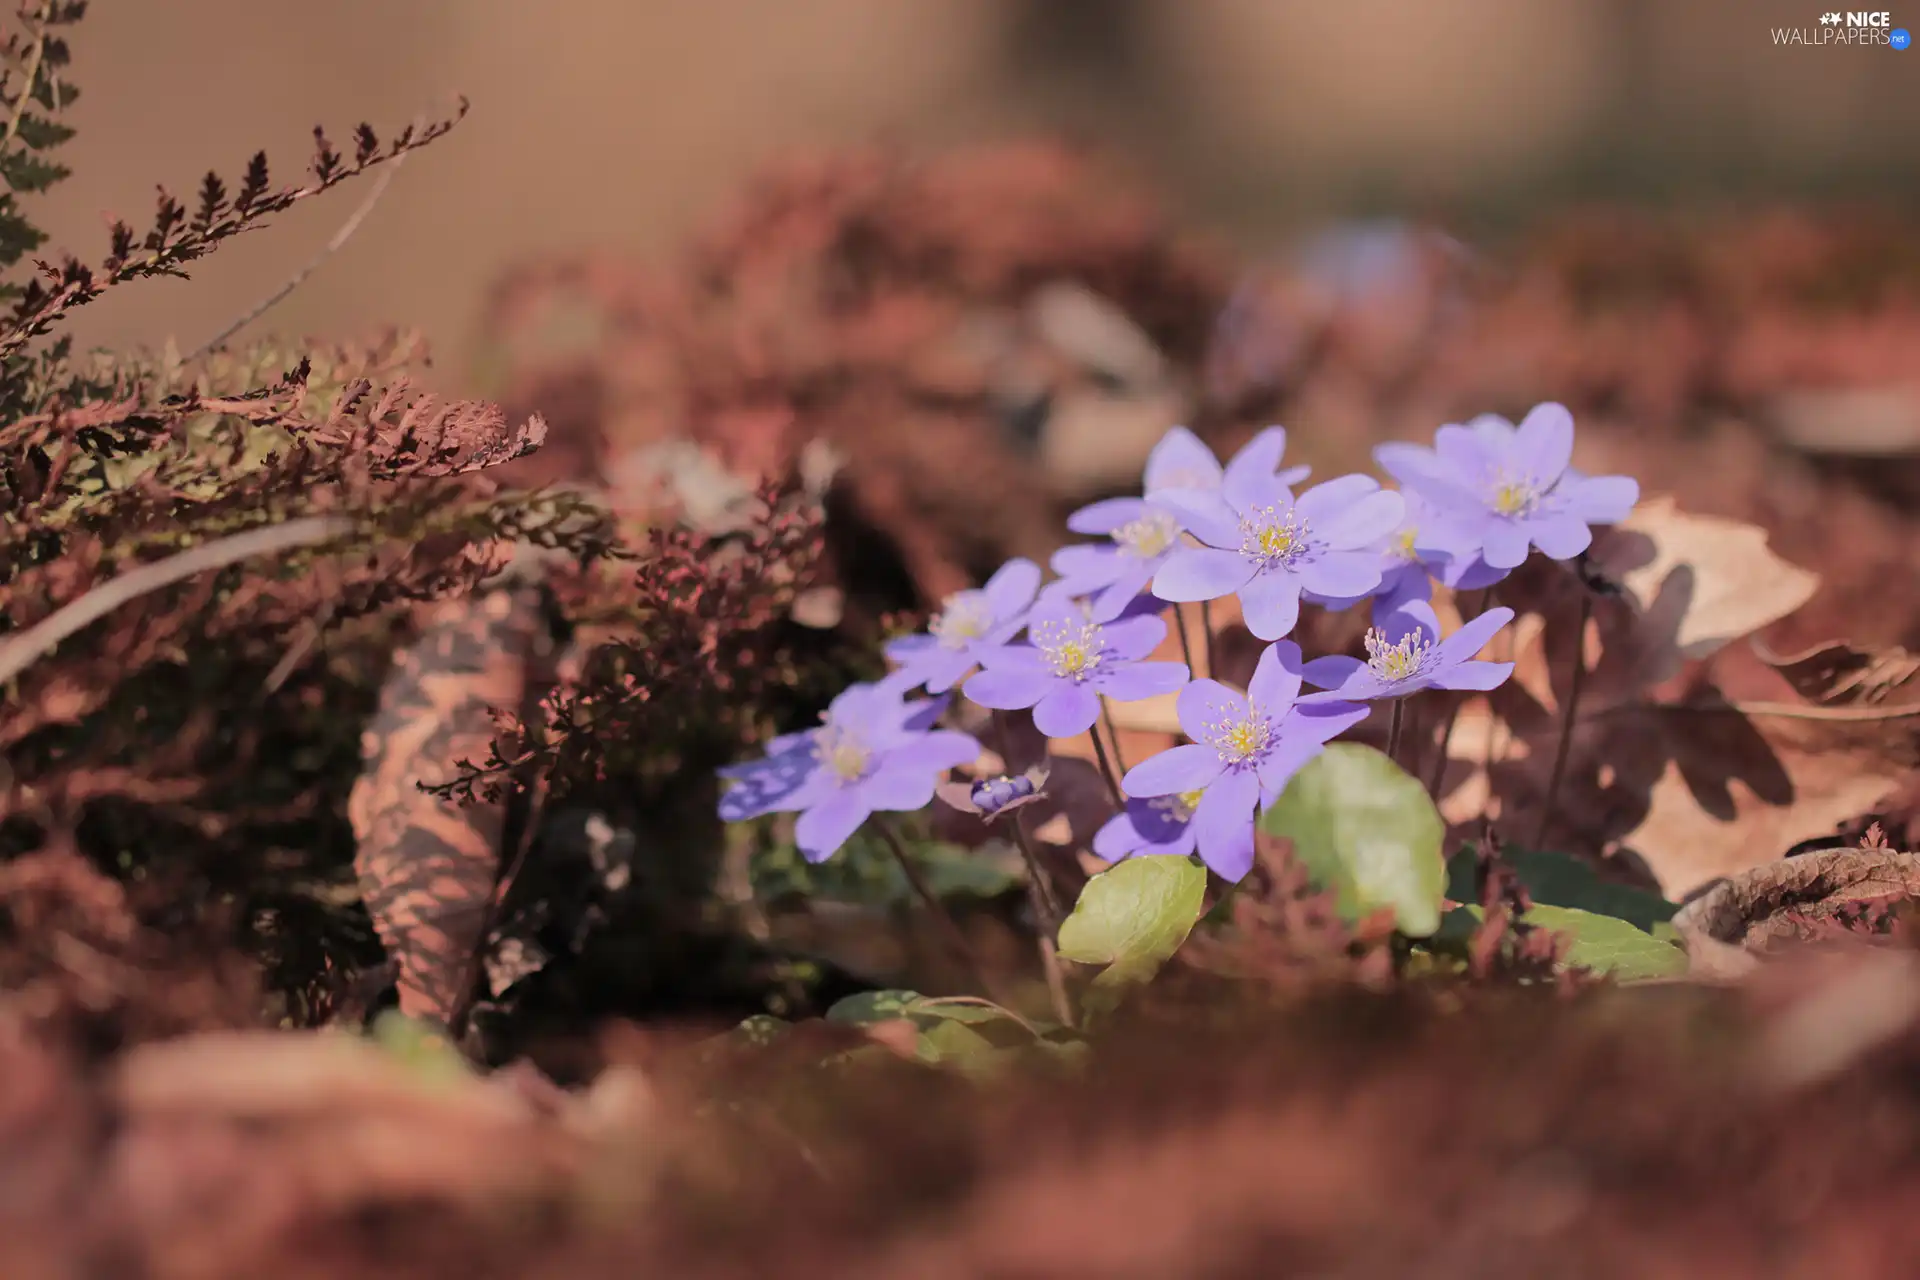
1106, 766
1113, 732
1567, 714
1206, 634
1453, 714
1186, 644
1394, 726
1047, 915
956, 940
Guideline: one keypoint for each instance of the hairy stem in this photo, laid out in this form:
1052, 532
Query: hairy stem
1206, 634
1453, 714
1567, 714
1046, 913
1186, 644
1393, 729
949, 928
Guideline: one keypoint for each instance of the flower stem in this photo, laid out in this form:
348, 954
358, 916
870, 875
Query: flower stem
1393, 729
956, 940
1186, 644
1453, 714
1046, 913
1113, 732
1566, 716
1206, 634
1106, 766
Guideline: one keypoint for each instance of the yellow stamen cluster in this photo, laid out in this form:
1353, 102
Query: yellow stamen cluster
1272, 536
1396, 661
1181, 806
1238, 738
1071, 649
964, 617
1148, 535
1514, 497
845, 756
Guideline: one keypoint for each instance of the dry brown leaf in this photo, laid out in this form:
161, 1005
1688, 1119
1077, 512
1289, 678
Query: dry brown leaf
1838, 674
1732, 583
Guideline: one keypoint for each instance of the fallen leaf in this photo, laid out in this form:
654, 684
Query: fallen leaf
1837, 673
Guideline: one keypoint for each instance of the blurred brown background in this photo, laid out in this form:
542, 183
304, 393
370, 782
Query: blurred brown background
621, 124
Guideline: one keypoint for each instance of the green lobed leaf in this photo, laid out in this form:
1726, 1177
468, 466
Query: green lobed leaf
1607, 944
1369, 833
1134, 916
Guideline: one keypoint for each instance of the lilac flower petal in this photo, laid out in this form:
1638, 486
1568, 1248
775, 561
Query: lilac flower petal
1323, 721
1250, 482
1475, 575
1341, 574
1495, 433
934, 752
1463, 453
1107, 515
1282, 763
1475, 676
1332, 671
1205, 701
1224, 824
1414, 616
1276, 678
1201, 573
1113, 600
1598, 499
1067, 711
1473, 635
1012, 585
1188, 767
1560, 537
944, 669
1293, 477
1088, 565
904, 648
898, 788
1543, 444
1364, 519
1248, 492
1205, 515
1181, 461
1325, 502
1506, 544
1008, 690
1134, 638
1402, 459
916, 717
828, 825
767, 786
1138, 680
1260, 455
1118, 837
1012, 657
1270, 605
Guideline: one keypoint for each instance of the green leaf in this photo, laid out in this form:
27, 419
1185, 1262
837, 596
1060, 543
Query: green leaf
1606, 944
1369, 833
1562, 880
873, 1006
422, 1047
1134, 916
760, 1029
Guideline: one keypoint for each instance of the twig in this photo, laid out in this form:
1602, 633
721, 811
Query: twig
32, 74
1040, 895
1566, 718
1206, 635
1453, 715
1393, 729
1106, 767
1113, 732
313, 264
21, 651
955, 938
1186, 645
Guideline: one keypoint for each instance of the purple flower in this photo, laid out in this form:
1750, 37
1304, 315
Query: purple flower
872, 752
1069, 663
1245, 748
984, 616
1180, 462
1268, 547
988, 798
1508, 488
1150, 826
1144, 534
1424, 546
1405, 654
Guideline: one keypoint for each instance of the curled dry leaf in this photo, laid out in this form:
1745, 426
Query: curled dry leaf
1663, 767
1733, 585
427, 866
1838, 674
1731, 926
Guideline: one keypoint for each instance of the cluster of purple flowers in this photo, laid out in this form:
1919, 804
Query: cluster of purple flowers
1470, 509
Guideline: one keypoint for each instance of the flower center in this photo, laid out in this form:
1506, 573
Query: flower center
1073, 650
964, 617
845, 756
1240, 738
1272, 536
1515, 497
1402, 546
1393, 662
1180, 807
1147, 536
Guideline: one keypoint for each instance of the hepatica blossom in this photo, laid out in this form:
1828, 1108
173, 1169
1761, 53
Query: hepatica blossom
940, 657
1266, 546
1245, 748
1181, 462
1069, 663
1150, 826
1422, 547
1405, 655
1510, 488
873, 752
